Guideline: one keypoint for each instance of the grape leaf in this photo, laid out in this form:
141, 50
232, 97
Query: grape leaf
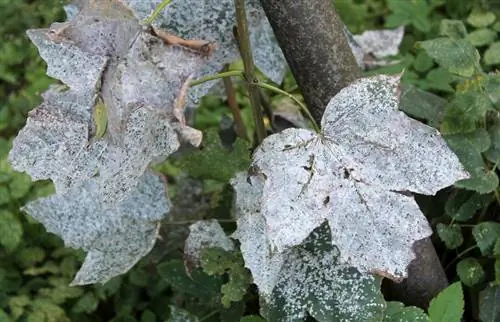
355, 175
308, 278
470, 271
213, 20
115, 238
142, 83
486, 235
204, 234
489, 307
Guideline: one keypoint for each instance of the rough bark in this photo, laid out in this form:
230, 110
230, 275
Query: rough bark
311, 36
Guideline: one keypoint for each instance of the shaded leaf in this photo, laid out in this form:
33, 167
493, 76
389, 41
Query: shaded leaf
448, 305
486, 234
451, 235
493, 154
464, 204
197, 283
215, 161
489, 303
470, 271
430, 107
464, 112
11, 230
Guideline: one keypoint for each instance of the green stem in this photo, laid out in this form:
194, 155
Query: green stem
209, 78
157, 12
249, 74
460, 255
296, 100
241, 129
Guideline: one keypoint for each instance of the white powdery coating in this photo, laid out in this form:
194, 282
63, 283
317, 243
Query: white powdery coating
205, 234
305, 279
251, 232
354, 175
65, 61
54, 145
115, 238
387, 148
213, 20
381, 43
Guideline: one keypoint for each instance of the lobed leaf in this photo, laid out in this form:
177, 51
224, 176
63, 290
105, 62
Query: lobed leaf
355, 175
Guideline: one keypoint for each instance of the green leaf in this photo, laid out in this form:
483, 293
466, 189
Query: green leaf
11, 230
482, 37
448, 305
470, 271
217, 261
181, 315
430, 107
457, 56
4, 317
480, 18
468, 147
496, 249
486, 235
464, 112
252, 318
148, 316
439, 79
489, 303
423, 62
20, 185
451, 235
86, 304
452, 28
492, 54
199, 284
493, 154
464, 204
492, 88
17, 305
44, 310
397, 312
29, 256
404, 12
215, 161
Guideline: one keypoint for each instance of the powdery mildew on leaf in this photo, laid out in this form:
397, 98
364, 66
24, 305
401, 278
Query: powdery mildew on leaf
116, 238
307, 279
142, 82
372, 45
213, 20
356, 175
204, 234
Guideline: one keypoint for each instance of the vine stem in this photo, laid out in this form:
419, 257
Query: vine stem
302, 106
241, 129
249, 72
231, 73
460, 255
157, 12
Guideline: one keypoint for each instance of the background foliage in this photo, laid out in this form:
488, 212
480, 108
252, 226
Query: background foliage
35, 268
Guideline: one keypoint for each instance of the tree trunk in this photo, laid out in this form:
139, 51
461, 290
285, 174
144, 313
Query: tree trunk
311, 36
